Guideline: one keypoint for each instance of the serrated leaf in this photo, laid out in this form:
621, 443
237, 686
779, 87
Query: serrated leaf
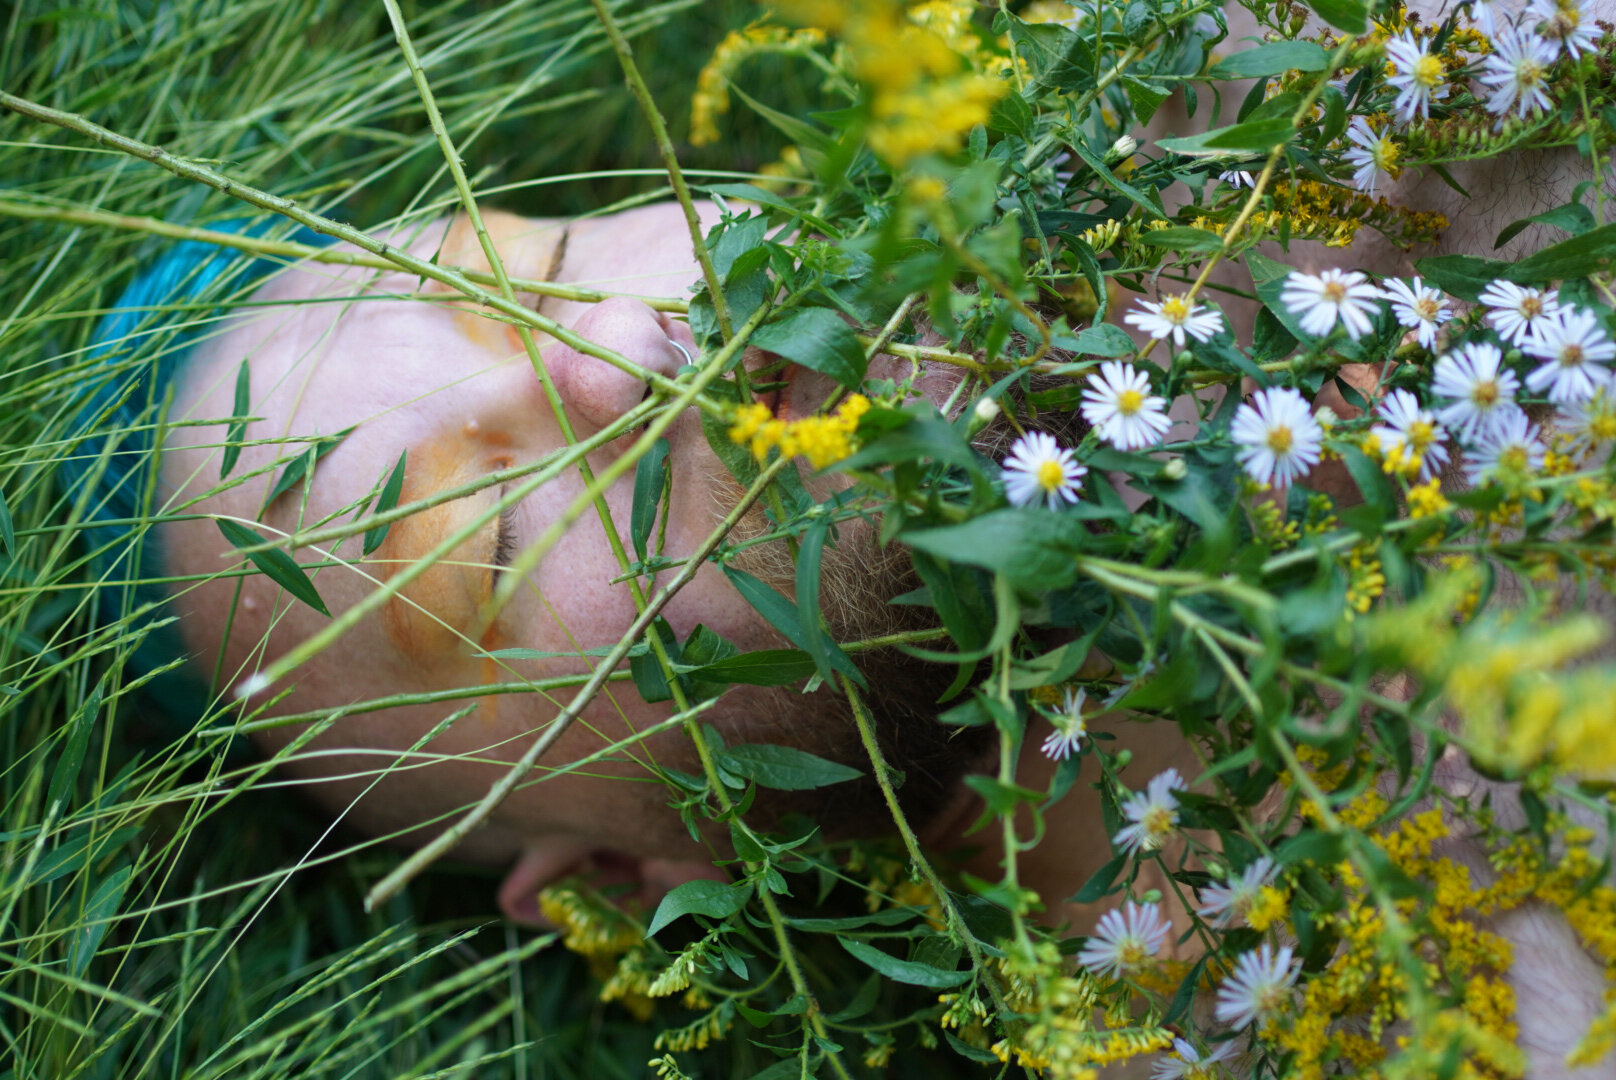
904, 971
714, 899
1145, 97
237, 431
388, 500
1275, 58
818, 339
785, 768
275, 564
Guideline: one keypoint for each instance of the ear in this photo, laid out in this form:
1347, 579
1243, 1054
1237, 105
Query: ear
636, 883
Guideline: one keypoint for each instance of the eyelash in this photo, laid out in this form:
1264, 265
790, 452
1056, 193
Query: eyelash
505, 538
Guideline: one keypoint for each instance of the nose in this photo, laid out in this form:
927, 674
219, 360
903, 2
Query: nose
598, 392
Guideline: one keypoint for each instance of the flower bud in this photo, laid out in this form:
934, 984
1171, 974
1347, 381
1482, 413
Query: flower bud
985, 412
1175, 469
1326, 417
1122, 149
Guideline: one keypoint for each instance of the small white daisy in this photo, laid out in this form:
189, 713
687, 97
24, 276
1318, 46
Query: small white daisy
1121, 408
1486, 18
1223, 904
1591, 424
1124, 940
1565, 23
1174, 317
1153, 813
1416, 74
1037, 468
1514, 311
1277, 436
1483, 394
1319, 301
1410, 438
1238, 178
1069, 727
1516, 73
1371, 155
1260, 983
1510, 451
1190, 1065
1575, 349
1418, 307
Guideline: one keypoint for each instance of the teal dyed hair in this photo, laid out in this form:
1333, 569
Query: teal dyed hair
111, 467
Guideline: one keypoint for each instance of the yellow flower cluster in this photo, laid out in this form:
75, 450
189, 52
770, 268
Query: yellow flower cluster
700, 1033
614, 945
1270, 527
1427, 500
923, 67
1332, 216
823, 440
1365, 582
711, 99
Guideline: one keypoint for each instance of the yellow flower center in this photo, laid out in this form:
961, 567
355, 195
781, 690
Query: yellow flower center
1131, 953
1334, 292
1050, 475
1571, 355
1280, 439
1428, 71
1130, 402
1158, 822
1531, 307
1420, 436
1528, 73
1175, 309
1514, 459
1485, 393
1427, 308
1385, 154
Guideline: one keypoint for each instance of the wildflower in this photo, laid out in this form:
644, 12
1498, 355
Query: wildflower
1119, 405
1484, 394
1415, 74
1174, 317
1124, 940
1153, 813
1418, 307
1277, 436
1238, 178
1039, 468
1516, 311
1486, 19
1223, 904
1372, 155
1566, 22
1591, 424
1335, 295
1190, 1065
1069, 727
1509, 452
1516, 73
1411, 437
1572, 343
1261, 983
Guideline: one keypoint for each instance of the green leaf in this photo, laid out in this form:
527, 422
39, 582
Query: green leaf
1275, 58
1349, 15
904, 971
1104, 339
649, 478
1593, 252
885, 917
275, 564
650, 681
1012, 116
714, 899
389, 499
1185, 997
1253, 136
237, 431
1100, 882
1149, 202
1032, 547
1574, 218
303, 464
1145, 97
765, 667
785, 768
8, 535
818, 339
1184, 238
96, 920
67, 768
1465, 276
782, 615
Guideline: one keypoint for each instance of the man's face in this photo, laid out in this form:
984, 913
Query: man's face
331, 349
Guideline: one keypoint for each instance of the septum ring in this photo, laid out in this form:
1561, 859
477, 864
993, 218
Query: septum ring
688, 358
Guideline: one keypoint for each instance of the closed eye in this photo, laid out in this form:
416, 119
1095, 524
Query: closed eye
505, 538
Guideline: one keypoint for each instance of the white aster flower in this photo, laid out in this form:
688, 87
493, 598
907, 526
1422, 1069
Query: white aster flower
1260, 983
1069, 727
1277, 436
1370, 156
1590, 425
1483, 394
1418, 307
1320, 301
1410, 438
1153, 813
1575, 349
1121, 408
1416, 74
1174, 317
1223, 904
1515, 311
1238, 178
1511, 451
1568, 24
1124, 940
1486, 17
1190, 1065
1037, 468
1516, 73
